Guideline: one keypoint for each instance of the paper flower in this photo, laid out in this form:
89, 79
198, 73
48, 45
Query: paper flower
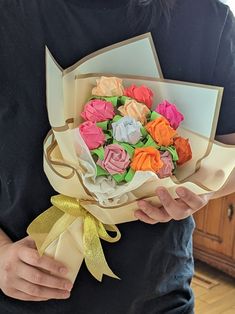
127, 130
98, 110
116, 159
183, 150
161, 131
168, 165
142, 94
171, 113
108, 86
147, 159
92, 135
136, 110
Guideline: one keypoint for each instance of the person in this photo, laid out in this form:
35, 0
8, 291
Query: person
195, 41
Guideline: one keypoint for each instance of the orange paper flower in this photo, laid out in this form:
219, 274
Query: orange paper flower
183, 150
147, 159
161, 131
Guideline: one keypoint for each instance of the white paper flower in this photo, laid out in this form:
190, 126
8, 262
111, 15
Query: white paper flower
127, 130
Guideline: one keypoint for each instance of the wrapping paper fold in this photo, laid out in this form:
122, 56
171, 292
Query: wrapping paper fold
70, 168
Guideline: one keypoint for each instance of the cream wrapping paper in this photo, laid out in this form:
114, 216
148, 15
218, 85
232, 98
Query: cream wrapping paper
70, 168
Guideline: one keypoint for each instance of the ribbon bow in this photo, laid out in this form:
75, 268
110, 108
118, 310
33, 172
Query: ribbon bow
48, 226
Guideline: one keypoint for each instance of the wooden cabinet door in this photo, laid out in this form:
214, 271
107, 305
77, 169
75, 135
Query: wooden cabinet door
214, 237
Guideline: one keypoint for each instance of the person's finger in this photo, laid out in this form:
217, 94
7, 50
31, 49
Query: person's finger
177, 209
139, 214
24, 297
40, 291
195, 202
156, 213
31, 257
36, 276
29, 242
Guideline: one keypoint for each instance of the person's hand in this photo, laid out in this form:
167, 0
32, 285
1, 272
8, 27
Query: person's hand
26, 276
187, 204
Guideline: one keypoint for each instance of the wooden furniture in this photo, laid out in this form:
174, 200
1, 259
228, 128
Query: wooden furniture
214, 236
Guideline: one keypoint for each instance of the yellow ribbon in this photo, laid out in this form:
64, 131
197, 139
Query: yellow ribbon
48, 226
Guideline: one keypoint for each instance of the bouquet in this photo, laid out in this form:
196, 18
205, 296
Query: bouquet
99, 185
124, 135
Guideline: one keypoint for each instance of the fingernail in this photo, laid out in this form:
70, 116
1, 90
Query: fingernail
66, 295
181, 192
68, 286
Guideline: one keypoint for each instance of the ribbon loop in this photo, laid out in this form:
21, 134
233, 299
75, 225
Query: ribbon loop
48, 226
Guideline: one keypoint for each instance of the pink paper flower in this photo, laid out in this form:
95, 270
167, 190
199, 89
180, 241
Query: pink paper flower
168, 166
141, 94
92, 135
171, 113
116, 159
98, 110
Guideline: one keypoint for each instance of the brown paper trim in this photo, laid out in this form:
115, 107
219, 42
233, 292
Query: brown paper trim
47, 154
65, 127
117, 45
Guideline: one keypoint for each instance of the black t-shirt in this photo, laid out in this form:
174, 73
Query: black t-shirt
197, 44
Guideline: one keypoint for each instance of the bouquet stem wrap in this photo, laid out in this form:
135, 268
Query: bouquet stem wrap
65, 210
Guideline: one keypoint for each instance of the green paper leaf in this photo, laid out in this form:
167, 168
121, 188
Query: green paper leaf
117, 118
129, 176
174, 154
103, 125
119, 177
112, 99
100, 171
172, 150
107, 136
99, 152
154, 115
138, 145
144, 131
128, 148
151, 142
123, 99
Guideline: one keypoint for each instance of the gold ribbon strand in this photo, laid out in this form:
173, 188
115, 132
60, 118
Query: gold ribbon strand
48, 226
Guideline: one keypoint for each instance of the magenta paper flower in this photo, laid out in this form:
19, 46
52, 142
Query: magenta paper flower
92, 135
116, 159
168, 165
141, 94
98, 110
171, 113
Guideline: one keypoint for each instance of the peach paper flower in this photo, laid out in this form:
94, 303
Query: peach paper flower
108, 86
136, 110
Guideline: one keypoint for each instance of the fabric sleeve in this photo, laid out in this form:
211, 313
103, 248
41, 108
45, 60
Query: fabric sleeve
224, 75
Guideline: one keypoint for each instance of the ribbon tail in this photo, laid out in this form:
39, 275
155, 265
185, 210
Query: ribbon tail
93, 252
